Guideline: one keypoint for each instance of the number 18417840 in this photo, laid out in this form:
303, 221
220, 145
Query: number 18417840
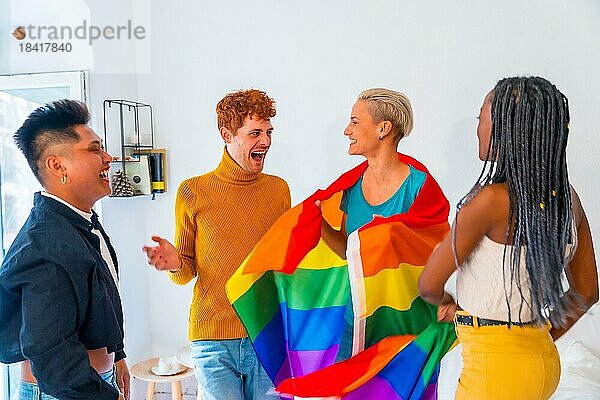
45, 47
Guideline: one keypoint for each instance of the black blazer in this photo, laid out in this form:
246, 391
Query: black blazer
57, 300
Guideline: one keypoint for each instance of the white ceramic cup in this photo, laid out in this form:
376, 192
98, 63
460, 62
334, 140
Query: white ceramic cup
164, 365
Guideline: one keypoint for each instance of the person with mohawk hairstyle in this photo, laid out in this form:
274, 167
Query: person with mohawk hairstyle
219, 217
60, 310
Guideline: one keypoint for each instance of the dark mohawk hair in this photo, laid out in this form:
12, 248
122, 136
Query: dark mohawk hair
49, 125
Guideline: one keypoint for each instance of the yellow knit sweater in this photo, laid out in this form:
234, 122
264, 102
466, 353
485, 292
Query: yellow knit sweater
219, 217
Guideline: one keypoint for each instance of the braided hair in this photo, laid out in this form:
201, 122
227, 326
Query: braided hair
527, 151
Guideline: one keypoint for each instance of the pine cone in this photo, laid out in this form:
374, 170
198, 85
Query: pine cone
121, 187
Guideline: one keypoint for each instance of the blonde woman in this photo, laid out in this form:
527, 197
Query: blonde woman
379, 120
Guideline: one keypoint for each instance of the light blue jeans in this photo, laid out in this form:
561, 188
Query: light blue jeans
229, 370
31, 391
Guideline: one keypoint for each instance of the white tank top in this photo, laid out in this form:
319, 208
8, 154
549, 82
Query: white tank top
482, 290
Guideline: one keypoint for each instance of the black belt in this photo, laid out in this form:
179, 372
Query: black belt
468, 320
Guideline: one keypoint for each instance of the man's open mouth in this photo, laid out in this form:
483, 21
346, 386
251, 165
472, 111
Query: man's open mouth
258, 155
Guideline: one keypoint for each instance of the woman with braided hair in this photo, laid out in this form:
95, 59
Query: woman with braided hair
522, 246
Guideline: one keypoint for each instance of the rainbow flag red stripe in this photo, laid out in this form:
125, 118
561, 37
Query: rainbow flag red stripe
292, 291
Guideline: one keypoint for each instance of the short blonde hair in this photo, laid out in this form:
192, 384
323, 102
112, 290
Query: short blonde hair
389, 105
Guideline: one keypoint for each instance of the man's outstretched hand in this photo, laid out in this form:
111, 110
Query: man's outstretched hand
164, 256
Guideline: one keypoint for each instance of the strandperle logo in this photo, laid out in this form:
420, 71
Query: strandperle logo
85, 31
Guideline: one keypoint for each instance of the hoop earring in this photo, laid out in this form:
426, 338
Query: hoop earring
63, 179
380, 137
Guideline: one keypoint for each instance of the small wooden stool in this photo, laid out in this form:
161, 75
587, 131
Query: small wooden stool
142, 372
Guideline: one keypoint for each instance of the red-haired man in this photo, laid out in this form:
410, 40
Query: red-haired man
220, 216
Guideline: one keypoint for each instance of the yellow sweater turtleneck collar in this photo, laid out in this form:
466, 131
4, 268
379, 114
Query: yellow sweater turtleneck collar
229, 171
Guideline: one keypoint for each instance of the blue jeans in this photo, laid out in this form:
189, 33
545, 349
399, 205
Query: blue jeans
229, 370
345, 351
31, 391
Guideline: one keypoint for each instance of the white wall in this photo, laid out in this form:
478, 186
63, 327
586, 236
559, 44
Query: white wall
314, 57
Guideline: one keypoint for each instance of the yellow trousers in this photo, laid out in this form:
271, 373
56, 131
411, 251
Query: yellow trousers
520, 363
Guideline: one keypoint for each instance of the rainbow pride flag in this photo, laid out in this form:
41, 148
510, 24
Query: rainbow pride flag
292, 292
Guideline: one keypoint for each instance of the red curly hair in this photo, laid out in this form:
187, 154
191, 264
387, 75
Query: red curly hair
236, 106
